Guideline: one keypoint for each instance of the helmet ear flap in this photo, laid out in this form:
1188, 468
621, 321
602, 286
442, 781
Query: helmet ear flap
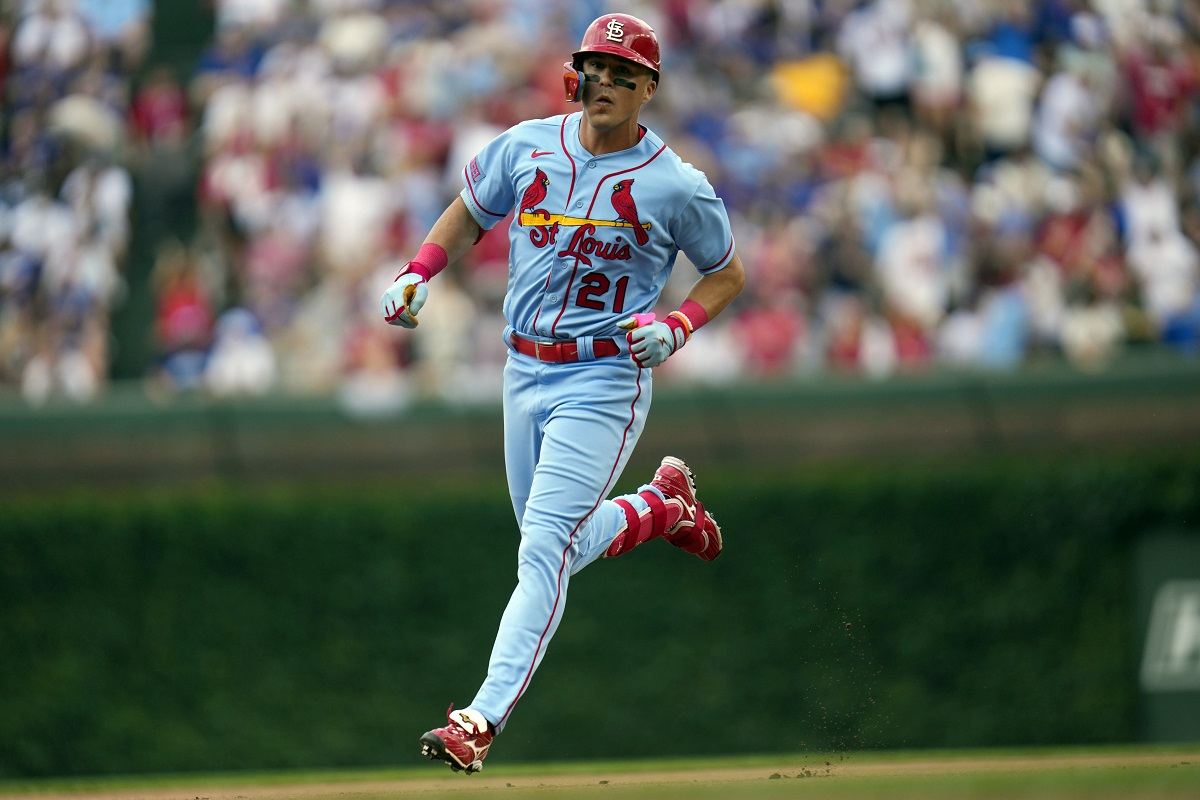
572, 81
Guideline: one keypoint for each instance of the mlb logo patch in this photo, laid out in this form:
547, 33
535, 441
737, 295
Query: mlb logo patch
476, 172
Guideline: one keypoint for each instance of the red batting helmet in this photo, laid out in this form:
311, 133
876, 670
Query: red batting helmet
620, 35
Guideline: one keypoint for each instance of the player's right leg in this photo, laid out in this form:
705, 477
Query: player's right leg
569, 431
591, 416
464, 741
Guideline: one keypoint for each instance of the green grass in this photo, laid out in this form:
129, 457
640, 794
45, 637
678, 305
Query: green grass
1128, 773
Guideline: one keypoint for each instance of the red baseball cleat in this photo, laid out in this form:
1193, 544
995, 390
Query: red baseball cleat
463, 743
696, 532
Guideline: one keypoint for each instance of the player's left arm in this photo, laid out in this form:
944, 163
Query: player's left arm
702, 231
714, 291
652, 341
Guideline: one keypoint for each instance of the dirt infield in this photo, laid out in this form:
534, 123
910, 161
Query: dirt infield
652, 782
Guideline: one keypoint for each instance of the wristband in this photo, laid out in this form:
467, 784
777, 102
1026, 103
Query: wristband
429, 261
689, 318
679, 325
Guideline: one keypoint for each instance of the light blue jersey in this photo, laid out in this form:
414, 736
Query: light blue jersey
595, 237
593, 241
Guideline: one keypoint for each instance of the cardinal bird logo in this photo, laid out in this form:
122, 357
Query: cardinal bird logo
622, 202
535, 194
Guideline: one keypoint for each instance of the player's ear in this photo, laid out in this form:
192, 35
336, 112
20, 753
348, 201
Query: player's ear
648, 92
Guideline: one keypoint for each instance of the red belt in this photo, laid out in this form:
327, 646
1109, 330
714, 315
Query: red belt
562, 351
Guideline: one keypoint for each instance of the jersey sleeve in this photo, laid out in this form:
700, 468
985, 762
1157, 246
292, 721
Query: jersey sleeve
488, 189
702, 232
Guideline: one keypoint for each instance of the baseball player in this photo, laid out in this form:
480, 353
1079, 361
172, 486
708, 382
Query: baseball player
602, 208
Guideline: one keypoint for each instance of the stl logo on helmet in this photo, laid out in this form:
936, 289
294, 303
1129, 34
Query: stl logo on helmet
615, 30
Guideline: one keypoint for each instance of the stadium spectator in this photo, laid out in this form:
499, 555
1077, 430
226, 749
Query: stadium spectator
241, 361
51, 39
159, 111
120, 29
183, 318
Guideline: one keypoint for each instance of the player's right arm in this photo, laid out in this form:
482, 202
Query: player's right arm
452, 235
485, 200
455, 231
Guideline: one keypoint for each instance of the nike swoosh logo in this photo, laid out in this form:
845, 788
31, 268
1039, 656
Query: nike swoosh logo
539, 153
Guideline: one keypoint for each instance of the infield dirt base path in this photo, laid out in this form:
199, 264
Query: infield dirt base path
442, 782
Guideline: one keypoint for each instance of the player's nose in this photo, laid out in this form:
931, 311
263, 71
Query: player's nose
605, 75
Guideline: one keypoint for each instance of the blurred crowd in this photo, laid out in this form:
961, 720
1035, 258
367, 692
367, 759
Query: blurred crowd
65, 72
913, 184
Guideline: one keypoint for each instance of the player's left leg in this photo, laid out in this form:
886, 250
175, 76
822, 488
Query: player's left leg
667, 507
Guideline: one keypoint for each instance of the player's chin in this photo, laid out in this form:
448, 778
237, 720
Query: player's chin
602, 108
604, 118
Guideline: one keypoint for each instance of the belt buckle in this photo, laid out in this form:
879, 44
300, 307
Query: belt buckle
537, 349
